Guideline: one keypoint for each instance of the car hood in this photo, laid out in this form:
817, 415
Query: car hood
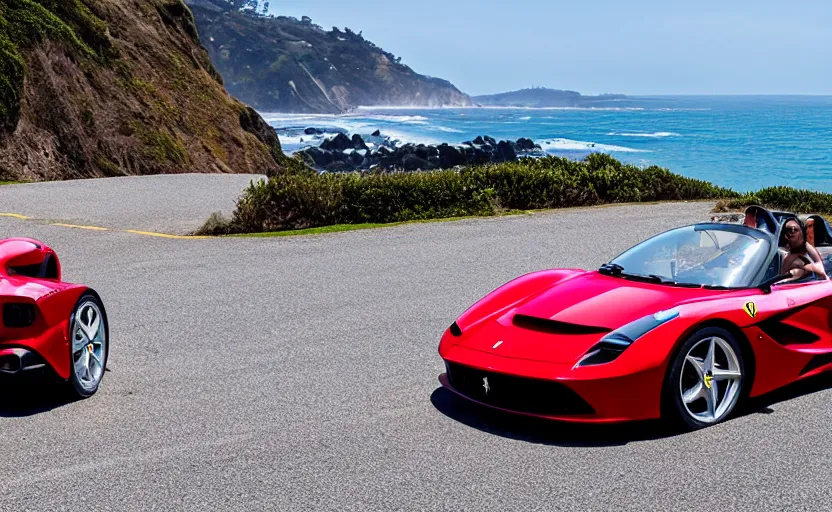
560, 323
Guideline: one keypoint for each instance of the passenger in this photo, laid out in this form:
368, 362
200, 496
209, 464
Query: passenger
802, 258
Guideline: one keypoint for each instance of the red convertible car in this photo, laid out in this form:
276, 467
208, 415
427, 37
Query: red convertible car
683, 326
47, 323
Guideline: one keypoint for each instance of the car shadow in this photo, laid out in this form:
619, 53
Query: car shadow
22, 399
762, 404
559, 433
543, 431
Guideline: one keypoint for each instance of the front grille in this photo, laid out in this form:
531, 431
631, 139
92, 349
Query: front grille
533, 396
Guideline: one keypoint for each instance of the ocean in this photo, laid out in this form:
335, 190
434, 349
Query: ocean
741, 142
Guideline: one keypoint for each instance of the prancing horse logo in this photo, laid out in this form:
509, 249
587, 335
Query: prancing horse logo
485, 385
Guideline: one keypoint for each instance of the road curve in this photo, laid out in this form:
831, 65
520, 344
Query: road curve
170, 203
301, 373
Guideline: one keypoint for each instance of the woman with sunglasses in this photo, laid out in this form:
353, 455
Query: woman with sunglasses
802, 259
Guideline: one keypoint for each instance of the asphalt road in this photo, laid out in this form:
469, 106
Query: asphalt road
301, 374
174, 203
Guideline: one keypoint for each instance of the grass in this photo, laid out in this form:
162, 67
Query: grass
337, 228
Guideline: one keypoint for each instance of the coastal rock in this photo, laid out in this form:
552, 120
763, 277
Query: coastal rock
376, 133
358, 142
411, 162
338, 143
524, 144
342, 153
505, 152
319, 157
449, 156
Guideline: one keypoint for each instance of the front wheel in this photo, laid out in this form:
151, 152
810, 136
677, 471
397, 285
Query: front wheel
705, 380
89, 337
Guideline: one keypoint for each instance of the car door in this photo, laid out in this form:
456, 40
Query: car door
807, 324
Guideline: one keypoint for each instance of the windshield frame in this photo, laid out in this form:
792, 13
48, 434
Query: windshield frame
757, 277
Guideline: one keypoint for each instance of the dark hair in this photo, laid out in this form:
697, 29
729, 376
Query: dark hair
800, 225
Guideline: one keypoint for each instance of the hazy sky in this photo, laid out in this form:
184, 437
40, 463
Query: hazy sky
635, 47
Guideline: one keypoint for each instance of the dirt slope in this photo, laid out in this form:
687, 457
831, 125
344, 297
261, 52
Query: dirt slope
93, 88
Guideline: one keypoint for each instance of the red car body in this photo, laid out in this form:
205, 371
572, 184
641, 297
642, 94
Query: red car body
37, 309
529, 335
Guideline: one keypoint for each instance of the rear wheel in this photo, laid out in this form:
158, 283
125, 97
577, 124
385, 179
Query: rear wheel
705, 380
89, 347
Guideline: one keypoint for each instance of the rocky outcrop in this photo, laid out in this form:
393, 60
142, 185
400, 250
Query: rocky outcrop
281, 64
342, 153
93, 88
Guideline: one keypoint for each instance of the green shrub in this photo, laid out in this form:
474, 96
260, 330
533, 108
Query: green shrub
301, 199
785, 198
216, 224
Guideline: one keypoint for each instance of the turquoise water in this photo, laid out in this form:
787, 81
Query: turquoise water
740, 142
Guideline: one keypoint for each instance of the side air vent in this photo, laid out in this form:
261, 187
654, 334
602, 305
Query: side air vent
816, 362
18, 316
786, 334
546, 325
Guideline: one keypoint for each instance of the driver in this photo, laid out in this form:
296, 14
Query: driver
802, 259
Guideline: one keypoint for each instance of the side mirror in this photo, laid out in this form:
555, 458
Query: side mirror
766, 285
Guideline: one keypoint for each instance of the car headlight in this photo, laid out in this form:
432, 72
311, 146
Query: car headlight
615, 343
455, 330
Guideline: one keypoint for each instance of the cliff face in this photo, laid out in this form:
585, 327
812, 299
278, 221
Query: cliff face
92, 88
285, 65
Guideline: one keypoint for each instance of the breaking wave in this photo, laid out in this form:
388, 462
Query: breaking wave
654, 135
553, 145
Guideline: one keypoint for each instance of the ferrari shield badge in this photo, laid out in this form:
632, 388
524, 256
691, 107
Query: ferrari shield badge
751, 309
485, 385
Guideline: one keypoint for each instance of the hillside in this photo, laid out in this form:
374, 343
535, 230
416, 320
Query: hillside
92, 88
281, 64
542, 97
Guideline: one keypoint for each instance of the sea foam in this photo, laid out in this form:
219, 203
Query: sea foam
579, 145
654, 135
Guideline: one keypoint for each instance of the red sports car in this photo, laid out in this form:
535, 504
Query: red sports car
683, 326
49, 324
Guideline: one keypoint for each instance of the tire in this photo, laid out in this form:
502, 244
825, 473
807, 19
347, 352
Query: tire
89, 346
699, 392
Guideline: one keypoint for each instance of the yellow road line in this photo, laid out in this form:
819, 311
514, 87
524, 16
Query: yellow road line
162, 235
94, 228
98, 228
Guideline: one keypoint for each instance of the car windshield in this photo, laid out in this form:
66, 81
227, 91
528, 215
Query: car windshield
696, 255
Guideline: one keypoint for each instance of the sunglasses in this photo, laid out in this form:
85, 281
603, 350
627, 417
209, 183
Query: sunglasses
792, 229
